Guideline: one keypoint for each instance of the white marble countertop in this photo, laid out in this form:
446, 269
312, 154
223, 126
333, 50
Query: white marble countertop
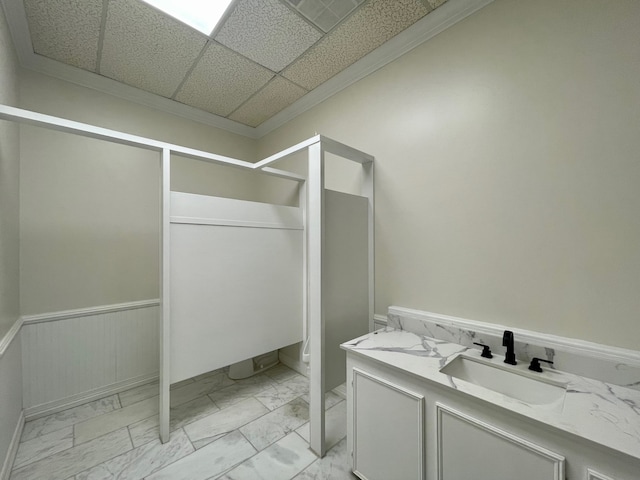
603, 413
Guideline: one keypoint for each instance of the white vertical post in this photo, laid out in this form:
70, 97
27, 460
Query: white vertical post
302, 204
367, 190
165, 313
315, 226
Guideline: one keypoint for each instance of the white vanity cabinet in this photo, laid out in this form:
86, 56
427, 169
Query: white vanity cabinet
388, 416
470, 448
403, 427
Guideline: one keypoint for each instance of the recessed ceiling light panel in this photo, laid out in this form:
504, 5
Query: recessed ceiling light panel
203, 15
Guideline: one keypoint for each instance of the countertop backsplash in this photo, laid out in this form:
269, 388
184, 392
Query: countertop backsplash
600, 362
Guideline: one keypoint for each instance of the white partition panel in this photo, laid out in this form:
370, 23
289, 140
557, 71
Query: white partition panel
235, 281
346, 293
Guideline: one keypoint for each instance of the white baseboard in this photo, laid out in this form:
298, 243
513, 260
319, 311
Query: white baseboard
78, 355
55, 406
13, 448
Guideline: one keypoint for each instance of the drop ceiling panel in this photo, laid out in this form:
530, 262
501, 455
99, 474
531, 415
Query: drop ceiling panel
369, 27
325, 14
222, 80
278, 94
66, 30
147, 49
267, 32
264, 56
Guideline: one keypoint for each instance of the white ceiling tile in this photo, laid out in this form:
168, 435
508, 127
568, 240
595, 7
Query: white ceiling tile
222, 80
370, 26
342, 7
147, 49
311, 8
267, 32
325, 14
278, 94
326, 20
66, 30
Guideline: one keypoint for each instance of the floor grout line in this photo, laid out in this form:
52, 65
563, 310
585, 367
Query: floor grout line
262, 385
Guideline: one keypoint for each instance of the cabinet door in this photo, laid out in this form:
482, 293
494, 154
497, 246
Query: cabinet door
469, 448
388, 430
593, 475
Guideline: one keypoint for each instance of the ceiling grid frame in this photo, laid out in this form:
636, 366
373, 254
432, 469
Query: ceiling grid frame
253, 70
147, 49
103, 23
450, 12
267, 32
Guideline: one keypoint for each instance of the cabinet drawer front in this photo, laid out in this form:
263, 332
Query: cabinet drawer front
388, 430
471, 448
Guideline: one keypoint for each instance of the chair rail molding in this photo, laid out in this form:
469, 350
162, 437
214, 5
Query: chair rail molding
12, 333
123, 343
88, 311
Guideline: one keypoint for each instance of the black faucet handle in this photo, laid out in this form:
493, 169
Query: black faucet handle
486, 350
535, 364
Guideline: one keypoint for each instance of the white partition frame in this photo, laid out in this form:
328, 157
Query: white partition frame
316, 256
312, 203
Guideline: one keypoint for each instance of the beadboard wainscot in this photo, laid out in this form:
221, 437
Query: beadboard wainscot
75, 356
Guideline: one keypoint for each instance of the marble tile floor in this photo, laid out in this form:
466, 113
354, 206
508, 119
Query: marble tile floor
255, 428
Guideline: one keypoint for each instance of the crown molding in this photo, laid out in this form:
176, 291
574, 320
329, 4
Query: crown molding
428, 27
435, 22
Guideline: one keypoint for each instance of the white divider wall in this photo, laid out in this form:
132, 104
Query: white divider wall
311, 269
319, 277
346, 292
236, 292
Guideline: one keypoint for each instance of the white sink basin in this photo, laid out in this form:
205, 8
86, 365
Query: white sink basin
506, 379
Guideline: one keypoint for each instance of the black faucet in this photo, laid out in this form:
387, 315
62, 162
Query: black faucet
507, 341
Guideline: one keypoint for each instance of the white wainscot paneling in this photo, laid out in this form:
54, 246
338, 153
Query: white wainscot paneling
461, 436
72, 357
